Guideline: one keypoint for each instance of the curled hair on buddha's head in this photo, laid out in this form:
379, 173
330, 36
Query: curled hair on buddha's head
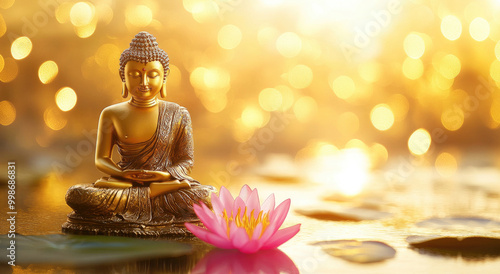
144, 49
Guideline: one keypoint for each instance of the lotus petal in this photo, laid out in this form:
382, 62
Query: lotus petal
281, 236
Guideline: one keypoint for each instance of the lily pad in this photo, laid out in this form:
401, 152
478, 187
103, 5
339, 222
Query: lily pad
84, 250
438, 241
343, 213
460, 223
358, 251
471, 248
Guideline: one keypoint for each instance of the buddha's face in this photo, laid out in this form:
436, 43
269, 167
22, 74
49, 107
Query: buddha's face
144, 81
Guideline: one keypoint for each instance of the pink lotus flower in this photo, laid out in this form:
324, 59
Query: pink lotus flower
242, 223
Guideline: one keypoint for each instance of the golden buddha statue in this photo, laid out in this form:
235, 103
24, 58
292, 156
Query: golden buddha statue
149, 192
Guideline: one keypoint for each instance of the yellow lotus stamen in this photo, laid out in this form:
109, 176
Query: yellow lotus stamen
249, 223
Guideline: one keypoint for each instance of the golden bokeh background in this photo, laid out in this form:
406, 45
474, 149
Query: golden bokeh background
324, 88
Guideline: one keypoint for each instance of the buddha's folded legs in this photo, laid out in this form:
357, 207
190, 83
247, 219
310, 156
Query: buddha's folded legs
133, 210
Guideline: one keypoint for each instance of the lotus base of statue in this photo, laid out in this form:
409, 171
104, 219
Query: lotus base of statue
132, 211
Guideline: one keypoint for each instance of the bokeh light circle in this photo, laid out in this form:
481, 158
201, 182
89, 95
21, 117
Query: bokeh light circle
414, 45
139, 16
66, 98
54, 119
9, 71
382, 117
3, 26
451, 27
21, 48
289, 44
495, 70
343, 86
453, 118
300, 76
413, 69
2, 63
450, 66
47, 71
419, 142
497, 50
479, 29
446, 164
81, 14
7, 113
229, 36
252, 117
270, 99
305, 108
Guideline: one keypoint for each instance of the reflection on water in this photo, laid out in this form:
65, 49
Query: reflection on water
233, 261
115, 264
168, 265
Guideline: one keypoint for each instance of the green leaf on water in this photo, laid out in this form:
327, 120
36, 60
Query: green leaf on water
85, 250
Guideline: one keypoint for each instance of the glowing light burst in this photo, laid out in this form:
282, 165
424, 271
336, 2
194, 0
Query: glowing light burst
319, 12
345, 171
272, 3
353, 175
346, 9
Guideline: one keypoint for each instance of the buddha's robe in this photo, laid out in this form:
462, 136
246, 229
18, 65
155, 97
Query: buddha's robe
171, 150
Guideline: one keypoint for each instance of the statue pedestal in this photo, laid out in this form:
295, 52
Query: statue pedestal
131, 211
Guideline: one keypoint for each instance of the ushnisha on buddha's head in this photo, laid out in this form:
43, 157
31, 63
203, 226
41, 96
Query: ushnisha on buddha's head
144, 68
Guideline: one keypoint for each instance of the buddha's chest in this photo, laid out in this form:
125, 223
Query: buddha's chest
136, 126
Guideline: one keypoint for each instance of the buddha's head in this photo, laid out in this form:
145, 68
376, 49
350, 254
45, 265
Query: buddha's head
144, 68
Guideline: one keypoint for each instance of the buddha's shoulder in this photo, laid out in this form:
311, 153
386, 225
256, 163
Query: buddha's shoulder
115, 109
